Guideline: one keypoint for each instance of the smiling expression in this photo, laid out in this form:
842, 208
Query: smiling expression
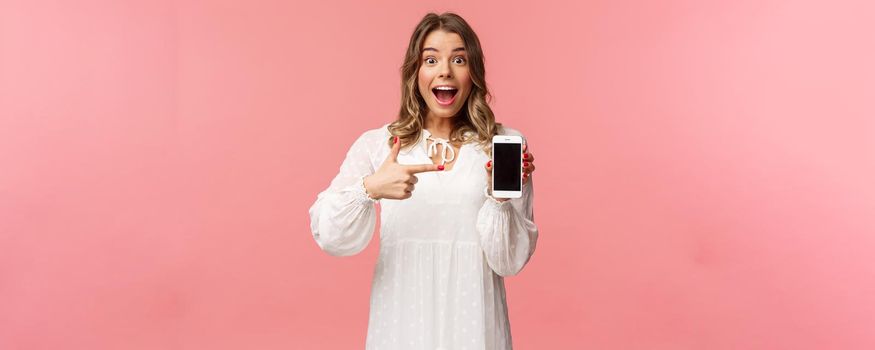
444, 79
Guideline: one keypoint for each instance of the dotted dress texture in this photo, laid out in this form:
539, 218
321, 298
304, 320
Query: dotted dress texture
438, 283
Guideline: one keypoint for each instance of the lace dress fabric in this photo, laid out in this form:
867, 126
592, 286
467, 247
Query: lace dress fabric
438, 282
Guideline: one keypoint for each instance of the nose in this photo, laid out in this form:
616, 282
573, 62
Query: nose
445, 71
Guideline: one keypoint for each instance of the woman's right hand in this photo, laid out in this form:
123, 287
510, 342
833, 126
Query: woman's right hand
393, 180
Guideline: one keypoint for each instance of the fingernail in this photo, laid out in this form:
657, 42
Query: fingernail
489, 164
525, 164
396, 139
525, 156
440, 167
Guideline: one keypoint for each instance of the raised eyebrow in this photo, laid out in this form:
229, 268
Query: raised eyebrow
436, 50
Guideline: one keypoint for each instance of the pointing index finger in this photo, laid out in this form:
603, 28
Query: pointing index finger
421, 168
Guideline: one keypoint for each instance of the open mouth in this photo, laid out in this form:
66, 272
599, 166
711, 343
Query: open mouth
445, 95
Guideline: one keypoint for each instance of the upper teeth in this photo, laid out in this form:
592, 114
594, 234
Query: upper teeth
445, 88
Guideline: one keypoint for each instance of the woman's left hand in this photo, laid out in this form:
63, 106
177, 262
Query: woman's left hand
528, 167
528, 163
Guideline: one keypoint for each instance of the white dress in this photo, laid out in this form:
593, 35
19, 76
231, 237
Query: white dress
444, 252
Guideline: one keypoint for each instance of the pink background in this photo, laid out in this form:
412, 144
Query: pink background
705, 171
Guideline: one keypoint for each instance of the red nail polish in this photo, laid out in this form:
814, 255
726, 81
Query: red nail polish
489, 164
525, 156
396, 139
525, 164
440, 167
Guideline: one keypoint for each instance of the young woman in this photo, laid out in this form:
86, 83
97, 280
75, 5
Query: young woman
445, 243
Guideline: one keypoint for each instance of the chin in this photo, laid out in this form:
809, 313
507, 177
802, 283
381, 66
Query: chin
443, 112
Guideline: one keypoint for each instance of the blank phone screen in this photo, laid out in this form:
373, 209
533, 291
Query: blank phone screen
507, 168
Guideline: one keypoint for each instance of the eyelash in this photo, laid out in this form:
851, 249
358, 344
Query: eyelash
457, 57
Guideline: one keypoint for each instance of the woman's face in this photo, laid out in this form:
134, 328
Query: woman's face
444, 80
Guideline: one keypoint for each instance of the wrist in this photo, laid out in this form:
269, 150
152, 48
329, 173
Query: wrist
368, 191
488, 193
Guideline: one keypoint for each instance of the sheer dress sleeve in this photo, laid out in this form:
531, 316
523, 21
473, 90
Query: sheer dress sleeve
343, 218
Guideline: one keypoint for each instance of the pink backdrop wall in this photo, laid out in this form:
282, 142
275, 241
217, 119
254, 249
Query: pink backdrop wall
705, 171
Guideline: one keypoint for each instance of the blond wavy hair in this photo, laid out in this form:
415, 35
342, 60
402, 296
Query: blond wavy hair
476, 116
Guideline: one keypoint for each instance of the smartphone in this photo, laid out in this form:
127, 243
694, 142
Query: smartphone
507, 167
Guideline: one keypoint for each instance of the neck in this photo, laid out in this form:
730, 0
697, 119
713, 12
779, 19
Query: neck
439, 127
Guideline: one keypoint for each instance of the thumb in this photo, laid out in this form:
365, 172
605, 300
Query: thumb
393, 153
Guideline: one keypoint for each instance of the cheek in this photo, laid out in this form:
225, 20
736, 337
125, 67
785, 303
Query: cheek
464, 78
467, 84
422, 81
